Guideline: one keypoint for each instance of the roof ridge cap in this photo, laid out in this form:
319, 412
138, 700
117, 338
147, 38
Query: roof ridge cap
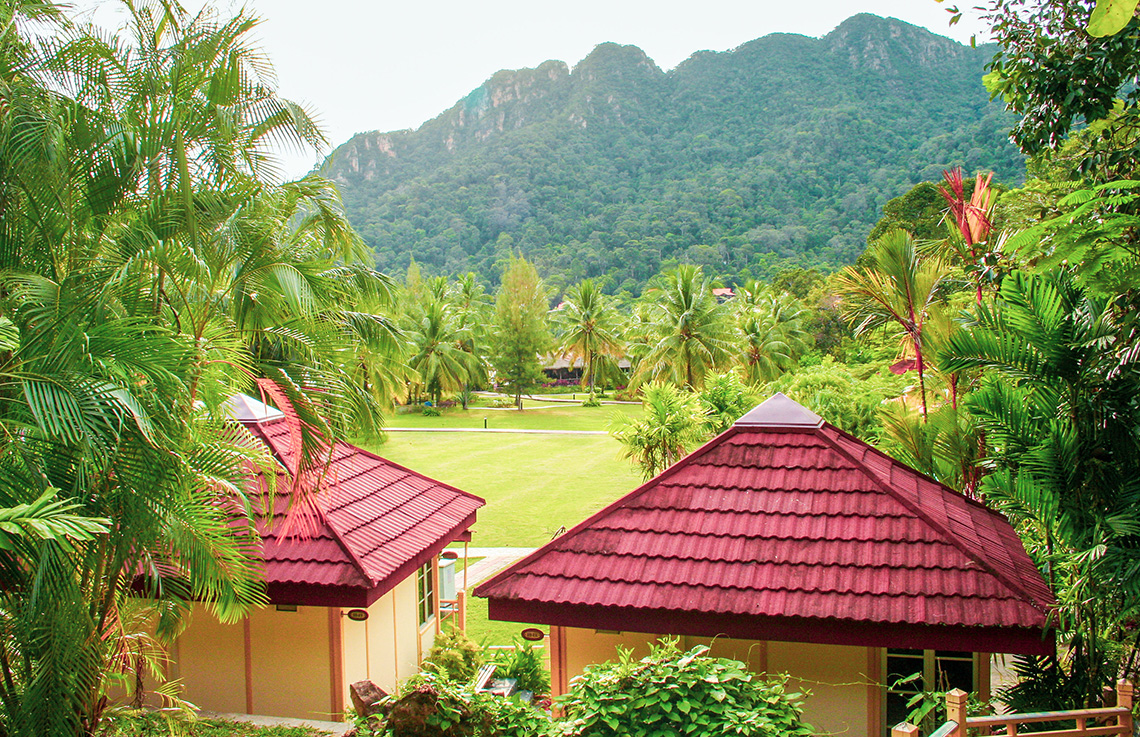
606, 510
924, 516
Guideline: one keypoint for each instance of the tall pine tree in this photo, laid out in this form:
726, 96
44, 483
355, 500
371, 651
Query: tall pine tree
520, 333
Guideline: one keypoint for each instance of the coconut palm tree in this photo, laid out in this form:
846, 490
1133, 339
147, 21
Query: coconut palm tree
688, 334
439, 354
772, 327
898, 289
587, 329
473, 307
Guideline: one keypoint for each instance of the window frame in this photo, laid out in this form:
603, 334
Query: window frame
426, 600
929, 661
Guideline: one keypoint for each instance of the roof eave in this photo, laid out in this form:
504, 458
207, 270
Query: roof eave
994, 639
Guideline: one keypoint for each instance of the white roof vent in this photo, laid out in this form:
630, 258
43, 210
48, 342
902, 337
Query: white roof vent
780, 411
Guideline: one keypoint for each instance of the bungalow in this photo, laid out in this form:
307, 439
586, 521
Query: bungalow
790, 545
357, 596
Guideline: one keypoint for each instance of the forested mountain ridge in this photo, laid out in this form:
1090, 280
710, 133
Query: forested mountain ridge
780, 152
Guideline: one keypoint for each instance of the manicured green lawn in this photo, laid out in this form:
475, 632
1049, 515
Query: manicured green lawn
487, 633
533, 484
536, 416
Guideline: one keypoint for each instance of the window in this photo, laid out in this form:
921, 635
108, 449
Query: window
425, 593
924, 670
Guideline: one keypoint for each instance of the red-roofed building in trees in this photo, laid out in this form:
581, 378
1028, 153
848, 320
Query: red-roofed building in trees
356, 595
801, 550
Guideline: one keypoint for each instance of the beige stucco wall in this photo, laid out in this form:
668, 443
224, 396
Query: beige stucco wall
291, 664
289, 672
837, 676
294, 654
209, 657
584, 647
386, 648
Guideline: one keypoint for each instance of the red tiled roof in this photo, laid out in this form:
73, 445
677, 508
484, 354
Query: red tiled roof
786, 528
374, 523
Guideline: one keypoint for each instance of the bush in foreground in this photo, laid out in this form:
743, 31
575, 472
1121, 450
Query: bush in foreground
675, 693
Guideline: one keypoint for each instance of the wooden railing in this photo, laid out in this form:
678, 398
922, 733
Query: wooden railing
456, 608
1111, 720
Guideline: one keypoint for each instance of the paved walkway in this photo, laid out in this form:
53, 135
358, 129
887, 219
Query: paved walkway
494, 560
333, 728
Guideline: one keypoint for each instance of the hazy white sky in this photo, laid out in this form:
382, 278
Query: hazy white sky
381, 65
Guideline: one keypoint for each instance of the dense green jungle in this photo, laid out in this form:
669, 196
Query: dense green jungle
776, 154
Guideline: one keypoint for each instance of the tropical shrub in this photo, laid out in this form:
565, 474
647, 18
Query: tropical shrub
592, 401
672, 426
524, 664
431, 411
431, 706
454, 656
725, 399
675, 693
511, 718
834, 392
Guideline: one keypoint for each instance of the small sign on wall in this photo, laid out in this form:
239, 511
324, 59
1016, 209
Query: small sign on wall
357, 615
533, 634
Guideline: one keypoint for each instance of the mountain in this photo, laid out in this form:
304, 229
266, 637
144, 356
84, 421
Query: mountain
778, 153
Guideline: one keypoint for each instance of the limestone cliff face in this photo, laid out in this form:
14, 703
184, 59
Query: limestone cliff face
612, 85
886, 45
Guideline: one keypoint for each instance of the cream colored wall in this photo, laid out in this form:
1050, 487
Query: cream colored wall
837, 678
388, 646
370, 646
291, 663
291, 667
407, 635
584, 647
836, 675
209, 657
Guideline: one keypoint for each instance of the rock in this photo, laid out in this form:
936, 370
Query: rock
364, 695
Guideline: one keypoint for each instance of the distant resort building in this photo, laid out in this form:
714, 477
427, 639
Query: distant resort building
359, 595
790, 545
561, 368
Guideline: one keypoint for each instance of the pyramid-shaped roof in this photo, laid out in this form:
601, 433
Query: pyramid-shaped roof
373, 523
786, 528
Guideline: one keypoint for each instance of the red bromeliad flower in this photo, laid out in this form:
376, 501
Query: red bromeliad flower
972, 217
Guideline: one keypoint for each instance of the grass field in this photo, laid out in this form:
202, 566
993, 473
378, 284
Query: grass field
533, 484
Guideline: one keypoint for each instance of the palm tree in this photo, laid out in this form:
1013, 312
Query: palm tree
587, 329
896, 289
772, 326
439, 350
688, 334
150, 273
1059, 413
473, 307
673, 423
